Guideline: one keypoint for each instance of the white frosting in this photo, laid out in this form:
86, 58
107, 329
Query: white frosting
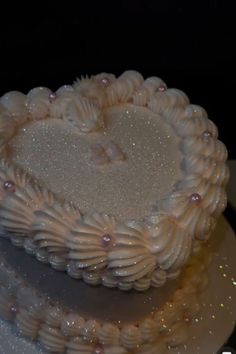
207, 147
83, 114
153, 84
96, 247
85, 242
130, 336
148, 329
215, 171
170, 243
89, 331
60, 332
52, 339
27, 324
108, 334
130, 257
38, 102
15, 104
78, 346
53, 224
123, 88
71, 325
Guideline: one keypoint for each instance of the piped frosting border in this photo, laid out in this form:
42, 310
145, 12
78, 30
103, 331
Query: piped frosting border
60, 331
96, 247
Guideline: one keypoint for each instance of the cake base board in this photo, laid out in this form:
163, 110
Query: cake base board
213, 324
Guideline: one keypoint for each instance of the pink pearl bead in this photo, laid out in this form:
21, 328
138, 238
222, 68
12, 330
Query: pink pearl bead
9, 186
52, 96
14, 309
207, 134
106, 240
105, 81
162, 88
195, 198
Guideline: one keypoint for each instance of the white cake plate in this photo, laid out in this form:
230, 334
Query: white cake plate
212, 326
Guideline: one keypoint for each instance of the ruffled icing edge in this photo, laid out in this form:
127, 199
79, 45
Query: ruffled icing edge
60, 331
97, 248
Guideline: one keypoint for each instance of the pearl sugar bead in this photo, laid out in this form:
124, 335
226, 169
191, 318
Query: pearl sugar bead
106, 240
207, 134
195, 198
9, 186
162, 88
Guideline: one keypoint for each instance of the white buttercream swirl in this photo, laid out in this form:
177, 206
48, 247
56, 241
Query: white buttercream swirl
63, 96
92, 278
153, 84
108, 334
130, 257
141, 97
214, 198
159, 278
86, 244
170, 244
7, 129
15, 104
73, 270
83, 114
208, 147
94, 88
17, 208
130, 336
165, 102
52, 339
89, 331
38, 102
30, 247
108, 280
57, 259
42, 255
123, 88
189, 215
149, 329
27, 324
142, 284
54, 316
217, 172
77, 345
52, 226
194, 126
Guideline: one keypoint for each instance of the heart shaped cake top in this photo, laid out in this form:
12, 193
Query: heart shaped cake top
114, 180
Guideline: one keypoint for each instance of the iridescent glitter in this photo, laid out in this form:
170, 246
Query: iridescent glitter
60, 156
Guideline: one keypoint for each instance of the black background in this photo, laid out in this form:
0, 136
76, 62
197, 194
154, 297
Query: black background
189, 44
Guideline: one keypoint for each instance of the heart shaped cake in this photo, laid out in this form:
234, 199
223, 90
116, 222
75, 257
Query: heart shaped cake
118, 182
